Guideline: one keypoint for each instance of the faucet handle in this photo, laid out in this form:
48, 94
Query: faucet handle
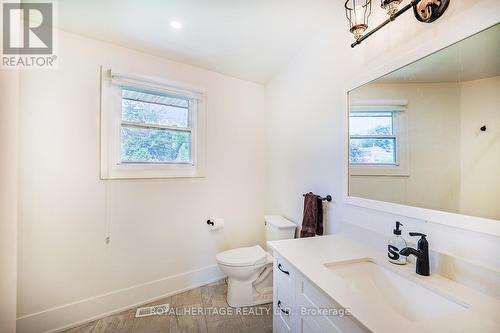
418, 234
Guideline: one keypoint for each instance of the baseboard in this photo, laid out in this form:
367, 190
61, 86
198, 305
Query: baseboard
89, 309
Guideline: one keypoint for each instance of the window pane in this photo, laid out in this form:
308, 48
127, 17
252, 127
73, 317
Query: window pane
141, 107
370, 123
373, 151
155, 145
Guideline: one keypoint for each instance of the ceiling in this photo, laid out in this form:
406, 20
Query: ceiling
473, 58
247, 39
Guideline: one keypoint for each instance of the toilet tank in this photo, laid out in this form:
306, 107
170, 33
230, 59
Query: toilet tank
278, 227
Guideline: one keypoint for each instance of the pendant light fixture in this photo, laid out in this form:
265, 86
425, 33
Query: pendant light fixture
391, 6
358, 12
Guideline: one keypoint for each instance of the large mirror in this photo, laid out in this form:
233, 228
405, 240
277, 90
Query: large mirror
428, 135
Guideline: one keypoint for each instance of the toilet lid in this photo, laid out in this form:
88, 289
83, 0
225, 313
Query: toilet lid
243, 256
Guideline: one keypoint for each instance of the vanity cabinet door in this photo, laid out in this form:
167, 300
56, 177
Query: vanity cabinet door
284, 307
323, 310
283, 273
279, 326
283, 296
297, 301
311, 325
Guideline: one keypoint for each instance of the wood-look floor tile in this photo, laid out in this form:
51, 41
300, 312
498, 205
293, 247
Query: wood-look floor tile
118, 323
85, 328
152, 324
215, 296
184, 322
221, 281
259, 319
189, 297
212, 295
233, 325
166, 300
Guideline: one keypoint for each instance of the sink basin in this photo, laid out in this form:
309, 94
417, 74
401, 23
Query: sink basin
406, 297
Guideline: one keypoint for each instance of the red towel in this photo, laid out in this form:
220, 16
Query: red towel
312, 222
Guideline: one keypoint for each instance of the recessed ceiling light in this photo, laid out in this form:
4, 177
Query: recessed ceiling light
176, 25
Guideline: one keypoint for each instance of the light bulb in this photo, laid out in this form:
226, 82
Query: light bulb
360, 15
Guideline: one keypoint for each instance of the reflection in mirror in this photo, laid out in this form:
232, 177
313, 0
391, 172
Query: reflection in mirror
428, 134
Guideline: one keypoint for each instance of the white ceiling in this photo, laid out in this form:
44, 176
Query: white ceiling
247, 39
473, 58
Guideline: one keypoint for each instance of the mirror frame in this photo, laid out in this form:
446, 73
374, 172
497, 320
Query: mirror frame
467, 222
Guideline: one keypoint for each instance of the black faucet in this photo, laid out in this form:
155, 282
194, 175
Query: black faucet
422, 254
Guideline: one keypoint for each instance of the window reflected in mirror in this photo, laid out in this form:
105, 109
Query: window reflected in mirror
372, 138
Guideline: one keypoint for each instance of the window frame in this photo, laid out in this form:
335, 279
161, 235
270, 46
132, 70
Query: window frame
400, 133
394, 136
112, 166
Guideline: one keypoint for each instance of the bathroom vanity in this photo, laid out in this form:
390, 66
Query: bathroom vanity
334, 284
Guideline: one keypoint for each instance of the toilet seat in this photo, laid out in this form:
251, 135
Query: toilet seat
243, 257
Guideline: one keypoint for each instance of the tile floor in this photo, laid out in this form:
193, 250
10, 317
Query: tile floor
252, 320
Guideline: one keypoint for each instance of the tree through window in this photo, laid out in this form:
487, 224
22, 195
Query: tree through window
155, 128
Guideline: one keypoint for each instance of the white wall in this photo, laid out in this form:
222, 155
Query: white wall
480, 162
306, 114
433, 116
159, 238
9, 97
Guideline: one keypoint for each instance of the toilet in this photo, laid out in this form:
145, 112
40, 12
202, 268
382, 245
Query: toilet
249, 269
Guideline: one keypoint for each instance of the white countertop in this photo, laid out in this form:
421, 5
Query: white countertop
309, 255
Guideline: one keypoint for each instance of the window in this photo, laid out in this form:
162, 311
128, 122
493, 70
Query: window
372, 138
378, 138
155, 128
150, 128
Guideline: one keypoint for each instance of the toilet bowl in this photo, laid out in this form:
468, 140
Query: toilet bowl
249, 269
243, 266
